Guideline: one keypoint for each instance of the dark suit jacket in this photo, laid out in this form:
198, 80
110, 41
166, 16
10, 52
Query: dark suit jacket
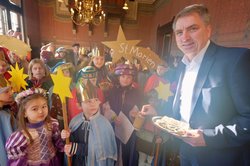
220, 107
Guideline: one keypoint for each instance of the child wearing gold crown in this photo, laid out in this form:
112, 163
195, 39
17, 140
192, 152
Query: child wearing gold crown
92, 139
89, 73
98, 61
38, 141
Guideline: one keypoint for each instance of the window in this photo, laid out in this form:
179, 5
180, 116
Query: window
11, 19
3, 21
16, 2
17, 24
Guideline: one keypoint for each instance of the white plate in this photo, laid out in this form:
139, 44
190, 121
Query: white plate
171, 125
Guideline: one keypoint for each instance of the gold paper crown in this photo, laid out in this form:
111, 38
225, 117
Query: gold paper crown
63, 66
89, 91
97, 52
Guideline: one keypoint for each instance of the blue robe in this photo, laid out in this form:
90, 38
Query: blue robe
100, 148
5, 131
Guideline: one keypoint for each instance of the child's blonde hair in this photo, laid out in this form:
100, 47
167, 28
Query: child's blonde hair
32, 63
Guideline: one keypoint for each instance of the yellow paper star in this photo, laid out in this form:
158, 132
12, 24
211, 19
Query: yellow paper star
121, 47
61, 85
164, 91
17, 78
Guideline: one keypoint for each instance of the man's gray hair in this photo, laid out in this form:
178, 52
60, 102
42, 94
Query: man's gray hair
195, 8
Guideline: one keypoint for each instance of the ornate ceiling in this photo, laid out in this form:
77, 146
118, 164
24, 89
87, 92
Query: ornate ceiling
112, 8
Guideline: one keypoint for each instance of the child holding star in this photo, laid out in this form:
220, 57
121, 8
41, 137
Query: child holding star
158, 76
73, 108
92, 139
163, 78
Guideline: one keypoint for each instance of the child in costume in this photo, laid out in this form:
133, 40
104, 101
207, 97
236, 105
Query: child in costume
124, 97
7, 119
89, 73
158, 76
4, 65
92, 139
98, 61
39, 76
38, 141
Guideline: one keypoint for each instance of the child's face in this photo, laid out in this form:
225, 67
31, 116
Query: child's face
76, 49
66, 72
90, 106
98, 61
38, 71
125, 80
3, 67
6, 97
36, 110
92, 80
61, 54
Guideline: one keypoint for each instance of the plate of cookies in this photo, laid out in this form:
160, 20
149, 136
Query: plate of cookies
171, 125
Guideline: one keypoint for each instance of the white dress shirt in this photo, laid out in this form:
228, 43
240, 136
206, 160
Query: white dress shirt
188, 82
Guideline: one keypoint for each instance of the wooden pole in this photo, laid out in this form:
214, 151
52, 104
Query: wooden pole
156, 154
66, 126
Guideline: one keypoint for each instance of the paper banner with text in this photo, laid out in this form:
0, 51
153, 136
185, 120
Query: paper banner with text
128, 49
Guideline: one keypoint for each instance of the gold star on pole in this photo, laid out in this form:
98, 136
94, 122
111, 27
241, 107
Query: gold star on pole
128, 49
61, 85
17, 80
121, 47
164, 91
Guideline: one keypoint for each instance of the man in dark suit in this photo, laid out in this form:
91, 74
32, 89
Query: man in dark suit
213, 94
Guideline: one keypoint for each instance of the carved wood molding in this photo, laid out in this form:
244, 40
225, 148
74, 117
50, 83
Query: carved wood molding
150, 8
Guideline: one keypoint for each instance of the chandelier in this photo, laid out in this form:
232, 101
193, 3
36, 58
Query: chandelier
86, 11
